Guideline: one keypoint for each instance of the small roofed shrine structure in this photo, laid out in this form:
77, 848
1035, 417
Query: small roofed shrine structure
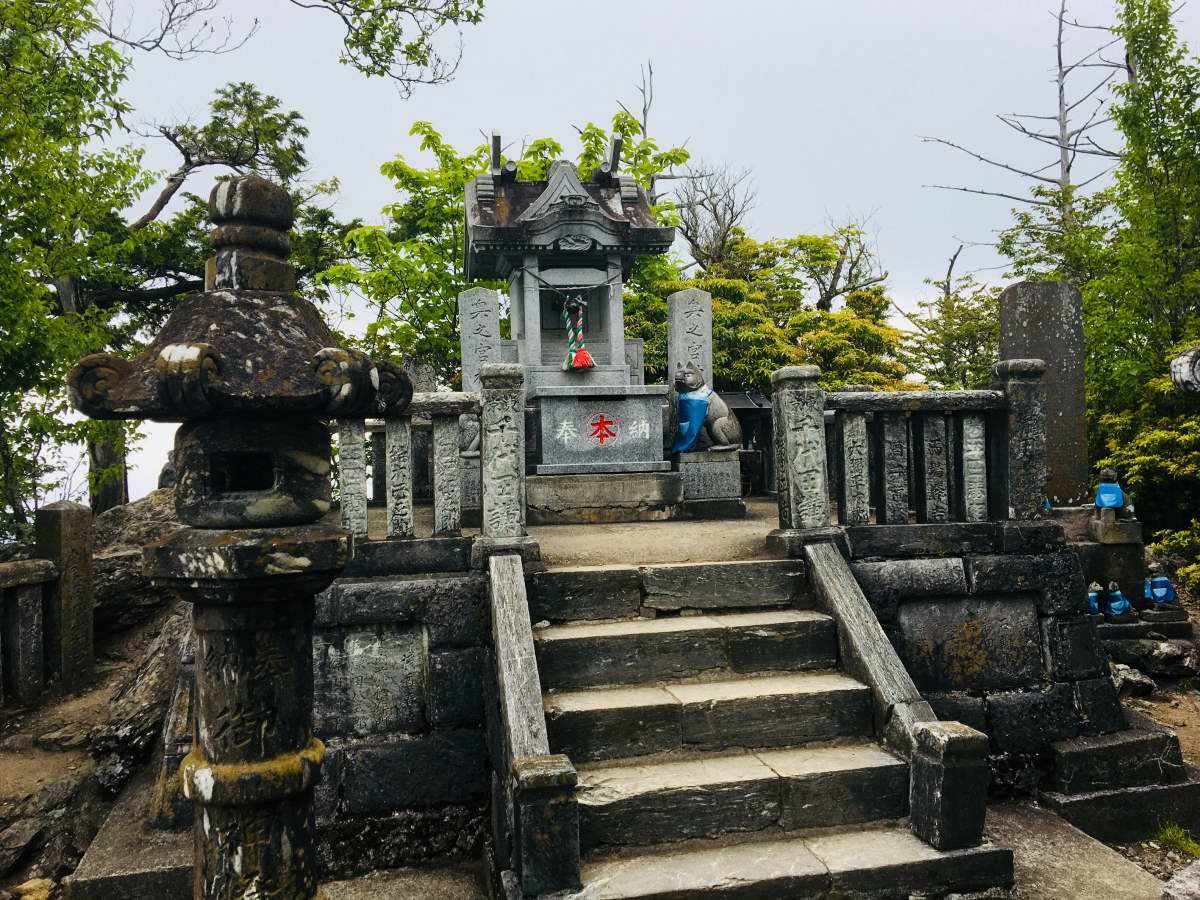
565, 246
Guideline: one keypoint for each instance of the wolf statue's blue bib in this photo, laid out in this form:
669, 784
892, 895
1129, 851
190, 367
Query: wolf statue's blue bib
1109, 496
693, 407
1160, 591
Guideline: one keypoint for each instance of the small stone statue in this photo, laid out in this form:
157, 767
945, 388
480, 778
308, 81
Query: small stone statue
699, 407
1118, 604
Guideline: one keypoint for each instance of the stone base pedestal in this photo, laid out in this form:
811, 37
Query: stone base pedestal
599, 499
789, 543
1111, 530
592, 429
712, 483
485, 547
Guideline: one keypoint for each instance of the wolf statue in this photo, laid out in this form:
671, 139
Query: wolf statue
700, 408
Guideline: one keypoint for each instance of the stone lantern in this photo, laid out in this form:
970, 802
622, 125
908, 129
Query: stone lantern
251, 371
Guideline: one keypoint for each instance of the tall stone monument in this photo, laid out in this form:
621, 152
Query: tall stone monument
1044, 320
565, 246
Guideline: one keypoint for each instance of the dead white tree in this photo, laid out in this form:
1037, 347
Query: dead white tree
712, 203
1070, 130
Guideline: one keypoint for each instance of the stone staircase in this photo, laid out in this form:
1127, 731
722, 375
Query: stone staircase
719, 749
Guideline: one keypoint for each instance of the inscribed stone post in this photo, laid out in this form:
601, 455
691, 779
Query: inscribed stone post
479, 333
1044, 320
800, 424
1025, 466
689, 332
64, 536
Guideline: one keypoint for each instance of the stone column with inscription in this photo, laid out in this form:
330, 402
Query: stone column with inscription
502, 457
252, 372
689, 332
800, 461
1044, 320
1025, 462
479, 341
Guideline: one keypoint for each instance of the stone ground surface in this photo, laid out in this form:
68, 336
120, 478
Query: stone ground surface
408, 884
637, 543
1055, 861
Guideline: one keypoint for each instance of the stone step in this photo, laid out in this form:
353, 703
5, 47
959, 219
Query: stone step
873, 862
706, 795
1120, 815
639, 650
615, 591
1136, 757
756, 711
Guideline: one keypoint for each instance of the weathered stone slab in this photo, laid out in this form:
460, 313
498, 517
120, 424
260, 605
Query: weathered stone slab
368, 681
26, 571
21, 643
628, 652
931, 466
854, 493
783, 640
454, 687
958, 706
1032, 537
689, 332
887, 584
456, 612
595, 592
522, 721
1071, 648
600, 429
613, 723
1056, 577
972, 643
373, 778
599, 499
955, 539
750, 583
1144, 754
891, 469
1044, 320
772, 711
443, 554
1028, 722
702, 797
826, 786
1132, 813
948, 791
63, 533
711, 475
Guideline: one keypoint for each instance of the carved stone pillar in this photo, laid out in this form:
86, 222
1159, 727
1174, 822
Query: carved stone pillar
502, 460
1025, 463
799, 412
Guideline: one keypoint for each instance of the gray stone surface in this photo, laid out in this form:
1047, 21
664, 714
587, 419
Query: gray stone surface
931, 467
479, 333
948, 791
799, 405
955, 539
1144, 754
854, 489
826, 786
1027, 722
689, 332
600, 429
63, 535
970, 435
21, 643
752, 583
502, 454
1055, 578
447, 477
711, 474
352, 468
973, 643
890, 489
1185, 885
368, 681
1071, 648
517, 678
1025, 443
594, 592
454, 687
603, 498
457, 883
959, 706
1044, 320
889, 583
1129, 814
398, 450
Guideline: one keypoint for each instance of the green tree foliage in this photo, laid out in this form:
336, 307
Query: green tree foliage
955, 340
59, 193
853, 345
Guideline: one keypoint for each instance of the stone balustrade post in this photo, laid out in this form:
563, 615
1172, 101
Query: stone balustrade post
948, 784
1025, 436
798, 405
502, 462
63, 533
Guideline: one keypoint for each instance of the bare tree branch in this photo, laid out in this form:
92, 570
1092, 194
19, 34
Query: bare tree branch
712, 203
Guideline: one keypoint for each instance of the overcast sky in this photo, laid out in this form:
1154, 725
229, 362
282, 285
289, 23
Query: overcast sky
824, 100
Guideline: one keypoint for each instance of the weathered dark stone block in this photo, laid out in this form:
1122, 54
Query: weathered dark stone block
455, 687
753, 583
410, 557
362, 601
973, 643
953, 539
1055, 577
1144, 754
753, 646
1031, 537
634, 721
1098, 706
957, 706
1028, 722
1071, 648
889, 583
380, 776
547, 824
816, 799
368, 681
1132, 813
456, 612
948, 788
599, 592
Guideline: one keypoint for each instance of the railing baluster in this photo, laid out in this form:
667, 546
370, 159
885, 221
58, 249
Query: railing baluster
398, 448
352, 460
447, 477
929, 463
854, 492
891, 436
971, 436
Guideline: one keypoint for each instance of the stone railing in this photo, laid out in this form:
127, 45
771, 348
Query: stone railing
46, 628
922, 457
443, 409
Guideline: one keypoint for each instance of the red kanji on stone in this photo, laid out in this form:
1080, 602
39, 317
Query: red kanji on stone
602, 428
